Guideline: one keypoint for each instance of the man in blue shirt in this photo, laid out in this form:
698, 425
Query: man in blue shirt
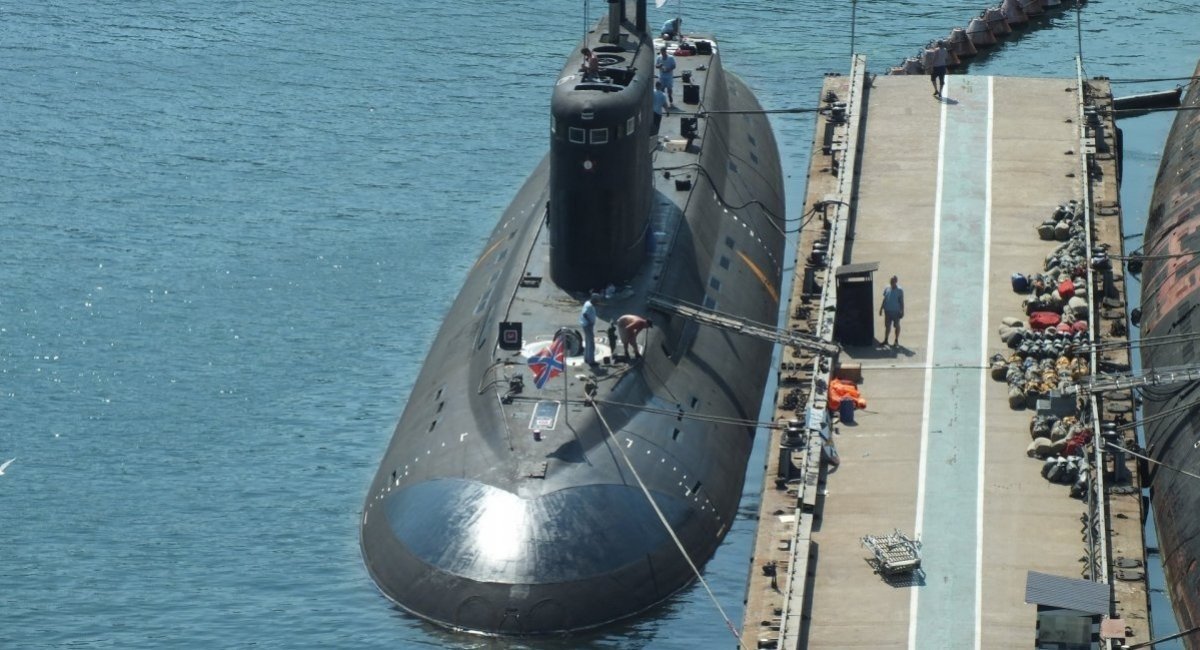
660, 103
587, 320
666, 73
892, 309
671, 28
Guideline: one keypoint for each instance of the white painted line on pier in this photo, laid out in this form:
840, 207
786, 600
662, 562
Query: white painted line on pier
933, 286
983, 355
946, 611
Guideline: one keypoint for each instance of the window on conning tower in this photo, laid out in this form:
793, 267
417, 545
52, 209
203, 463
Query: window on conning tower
577, 135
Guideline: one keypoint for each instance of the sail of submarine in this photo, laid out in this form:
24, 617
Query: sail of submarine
500, 508
1170, 326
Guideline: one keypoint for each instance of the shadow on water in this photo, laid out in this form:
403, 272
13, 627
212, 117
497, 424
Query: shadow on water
608, 637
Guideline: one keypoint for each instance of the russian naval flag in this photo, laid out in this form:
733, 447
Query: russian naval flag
548, 363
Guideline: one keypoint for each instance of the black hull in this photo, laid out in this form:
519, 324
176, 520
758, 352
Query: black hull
476, 523
1171, 306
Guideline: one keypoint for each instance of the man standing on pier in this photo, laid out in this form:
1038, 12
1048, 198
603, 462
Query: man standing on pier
892, 309
935, 62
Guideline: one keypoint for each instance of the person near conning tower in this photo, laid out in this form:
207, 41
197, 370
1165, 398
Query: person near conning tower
666, 73
590, 66
670, 29
660, 103
629, 326
587, 320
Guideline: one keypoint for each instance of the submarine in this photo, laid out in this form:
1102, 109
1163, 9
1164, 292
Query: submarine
505, 506
1170, 325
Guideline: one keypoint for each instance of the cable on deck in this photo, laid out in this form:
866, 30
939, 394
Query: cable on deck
666, 524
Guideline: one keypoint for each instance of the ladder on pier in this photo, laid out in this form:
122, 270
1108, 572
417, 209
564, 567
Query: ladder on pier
732, 323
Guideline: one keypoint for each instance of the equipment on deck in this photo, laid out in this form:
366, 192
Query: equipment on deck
894, 554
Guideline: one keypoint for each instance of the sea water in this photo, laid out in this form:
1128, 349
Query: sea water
231, 230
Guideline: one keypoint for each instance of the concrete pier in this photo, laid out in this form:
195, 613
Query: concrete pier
946, 194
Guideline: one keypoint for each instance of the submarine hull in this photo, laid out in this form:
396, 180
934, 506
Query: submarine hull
1170, 301
505, 507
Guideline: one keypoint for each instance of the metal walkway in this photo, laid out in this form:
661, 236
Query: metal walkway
1094, 384
732, 323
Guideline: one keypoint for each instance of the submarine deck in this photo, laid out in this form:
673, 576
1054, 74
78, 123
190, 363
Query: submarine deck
946, 194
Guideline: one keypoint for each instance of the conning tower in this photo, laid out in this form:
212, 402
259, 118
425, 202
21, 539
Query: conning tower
600, 164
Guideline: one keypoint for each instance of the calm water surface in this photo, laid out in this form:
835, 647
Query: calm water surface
230, 230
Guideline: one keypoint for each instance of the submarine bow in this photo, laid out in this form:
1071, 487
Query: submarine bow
487, 559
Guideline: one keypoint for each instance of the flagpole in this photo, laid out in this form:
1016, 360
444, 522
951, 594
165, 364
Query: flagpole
853, 17
566, 406
679, 21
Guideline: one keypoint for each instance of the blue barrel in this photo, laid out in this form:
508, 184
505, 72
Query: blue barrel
846, 410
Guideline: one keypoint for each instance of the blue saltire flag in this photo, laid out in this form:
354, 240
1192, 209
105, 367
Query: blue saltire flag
548, 363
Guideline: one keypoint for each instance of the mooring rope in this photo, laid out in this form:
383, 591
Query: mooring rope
1151, 460
666, 524
701, 417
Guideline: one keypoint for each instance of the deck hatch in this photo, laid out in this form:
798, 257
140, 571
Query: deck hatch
536, 470
545, 416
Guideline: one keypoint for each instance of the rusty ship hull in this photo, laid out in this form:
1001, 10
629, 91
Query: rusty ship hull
1171, 309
